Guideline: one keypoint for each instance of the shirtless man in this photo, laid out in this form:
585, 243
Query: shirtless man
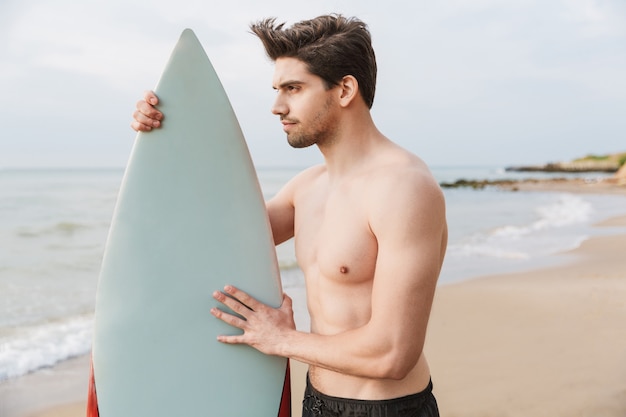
369, 227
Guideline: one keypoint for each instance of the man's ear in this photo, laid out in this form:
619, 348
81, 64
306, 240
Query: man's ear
349, 89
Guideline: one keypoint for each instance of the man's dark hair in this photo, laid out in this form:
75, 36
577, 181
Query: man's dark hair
332, 46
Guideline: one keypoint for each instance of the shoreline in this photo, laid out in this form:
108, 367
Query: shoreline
537, 342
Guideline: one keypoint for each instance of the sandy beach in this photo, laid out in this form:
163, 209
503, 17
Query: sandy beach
548, 342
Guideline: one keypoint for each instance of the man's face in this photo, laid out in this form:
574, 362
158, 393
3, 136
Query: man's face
306, 108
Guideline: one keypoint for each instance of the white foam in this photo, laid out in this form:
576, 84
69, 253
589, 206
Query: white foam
44, 345
484, 250
567, 210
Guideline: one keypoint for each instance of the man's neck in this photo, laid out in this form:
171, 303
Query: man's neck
352, 147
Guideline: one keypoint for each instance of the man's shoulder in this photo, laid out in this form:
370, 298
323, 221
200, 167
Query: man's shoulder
309, 174
405, 195
306, 177
405, 170
406, 182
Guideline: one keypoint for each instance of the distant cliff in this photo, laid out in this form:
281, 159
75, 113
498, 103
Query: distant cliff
590, 163
612, 163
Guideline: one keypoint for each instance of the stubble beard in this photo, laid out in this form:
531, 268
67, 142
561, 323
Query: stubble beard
320, 132
302, 140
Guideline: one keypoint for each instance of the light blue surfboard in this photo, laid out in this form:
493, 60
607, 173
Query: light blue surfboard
190, 218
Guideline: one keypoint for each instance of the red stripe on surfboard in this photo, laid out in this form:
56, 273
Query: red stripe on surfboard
285, 400
92, 398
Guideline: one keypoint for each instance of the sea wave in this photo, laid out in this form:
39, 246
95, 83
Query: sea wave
40, 346
567, 210
524, 241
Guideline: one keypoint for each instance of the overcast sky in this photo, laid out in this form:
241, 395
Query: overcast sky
461, 82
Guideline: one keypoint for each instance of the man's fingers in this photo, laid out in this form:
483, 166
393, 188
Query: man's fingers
141, 118
228, 318
151, 98
248, 301
140, 127
148, 110
234, 304
230, 340
145, 117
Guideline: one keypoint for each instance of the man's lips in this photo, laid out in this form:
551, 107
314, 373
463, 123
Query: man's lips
287, 124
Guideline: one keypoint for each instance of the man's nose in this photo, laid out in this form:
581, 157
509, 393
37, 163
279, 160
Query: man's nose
279, 107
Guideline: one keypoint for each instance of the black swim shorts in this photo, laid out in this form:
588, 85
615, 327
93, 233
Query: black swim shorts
316, 404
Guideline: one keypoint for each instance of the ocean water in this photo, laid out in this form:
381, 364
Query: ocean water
54, 224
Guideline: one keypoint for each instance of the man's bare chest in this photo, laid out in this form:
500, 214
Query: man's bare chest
332, 236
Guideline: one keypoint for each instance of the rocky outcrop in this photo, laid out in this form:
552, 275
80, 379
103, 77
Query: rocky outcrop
607, 185
591, 163
575, 166
612, 163
480, 184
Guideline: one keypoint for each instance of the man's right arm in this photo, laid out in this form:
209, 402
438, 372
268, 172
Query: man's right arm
281, 208
281, 214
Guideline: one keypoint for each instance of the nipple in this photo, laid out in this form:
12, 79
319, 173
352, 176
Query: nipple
343, 269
